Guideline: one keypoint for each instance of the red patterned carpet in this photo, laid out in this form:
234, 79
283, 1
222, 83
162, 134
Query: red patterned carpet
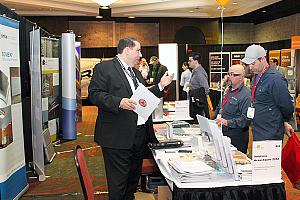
62, 180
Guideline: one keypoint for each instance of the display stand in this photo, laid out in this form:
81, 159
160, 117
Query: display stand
48, 146
219, 65
288, 61
36, 107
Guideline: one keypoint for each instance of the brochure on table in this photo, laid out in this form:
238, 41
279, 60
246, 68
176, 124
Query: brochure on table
266, 161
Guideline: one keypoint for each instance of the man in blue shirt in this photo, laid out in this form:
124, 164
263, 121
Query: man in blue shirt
232, 112
271, 103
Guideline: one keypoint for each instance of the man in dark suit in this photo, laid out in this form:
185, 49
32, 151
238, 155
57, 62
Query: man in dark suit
120, 132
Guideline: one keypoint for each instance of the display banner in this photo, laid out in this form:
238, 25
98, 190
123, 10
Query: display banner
86, 67
78, 83
286, 57
50, 85
236, 57
218, 64
68, 86
13, 182
36, 104
275, 54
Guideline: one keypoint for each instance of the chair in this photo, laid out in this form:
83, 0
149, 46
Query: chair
149, 167
85, 179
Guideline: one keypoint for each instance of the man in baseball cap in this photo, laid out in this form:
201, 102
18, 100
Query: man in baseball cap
252, 53
272, 105
156, 70
153, 59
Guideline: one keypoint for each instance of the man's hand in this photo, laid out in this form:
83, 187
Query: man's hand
288, 129
221, 121
166, 79
127, 104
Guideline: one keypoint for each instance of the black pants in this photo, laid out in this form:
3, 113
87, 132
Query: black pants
239, 138
123, 167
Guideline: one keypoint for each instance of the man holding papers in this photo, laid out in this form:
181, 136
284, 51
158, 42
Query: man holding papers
231, 113
120, 131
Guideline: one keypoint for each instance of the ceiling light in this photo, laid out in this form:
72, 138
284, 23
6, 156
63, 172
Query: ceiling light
13, 9
131, 17
264, 11
234, 3
105, 3
191, 11
105, 12
99, 17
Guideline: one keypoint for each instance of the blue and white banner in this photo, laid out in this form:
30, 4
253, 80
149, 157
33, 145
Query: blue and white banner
68, 86
13, 181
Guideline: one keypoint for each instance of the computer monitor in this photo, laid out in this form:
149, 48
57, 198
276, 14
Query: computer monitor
221, 143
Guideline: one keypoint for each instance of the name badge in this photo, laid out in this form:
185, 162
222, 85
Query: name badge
250, 112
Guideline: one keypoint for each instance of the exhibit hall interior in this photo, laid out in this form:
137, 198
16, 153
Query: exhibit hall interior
150, 99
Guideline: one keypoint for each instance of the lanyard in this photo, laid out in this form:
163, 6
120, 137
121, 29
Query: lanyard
225, 99
254, 85
130, 73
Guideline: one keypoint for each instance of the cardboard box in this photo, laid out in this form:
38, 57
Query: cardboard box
164, 193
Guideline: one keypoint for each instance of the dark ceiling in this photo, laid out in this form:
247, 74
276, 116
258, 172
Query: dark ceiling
274, 11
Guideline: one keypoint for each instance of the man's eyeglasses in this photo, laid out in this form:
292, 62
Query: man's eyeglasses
233, 74
190, 60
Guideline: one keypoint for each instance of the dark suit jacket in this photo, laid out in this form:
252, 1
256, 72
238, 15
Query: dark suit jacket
198, 103
115, 127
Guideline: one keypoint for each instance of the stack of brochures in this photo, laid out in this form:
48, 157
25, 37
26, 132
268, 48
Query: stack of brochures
180, 124
189, 172
245, 172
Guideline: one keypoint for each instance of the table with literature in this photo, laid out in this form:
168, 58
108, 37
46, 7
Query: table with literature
192, 174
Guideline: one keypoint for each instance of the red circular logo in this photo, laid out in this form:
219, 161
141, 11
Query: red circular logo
143, 102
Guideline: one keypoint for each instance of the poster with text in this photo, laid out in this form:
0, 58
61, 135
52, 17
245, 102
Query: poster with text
218, 67
50, 84
12, 157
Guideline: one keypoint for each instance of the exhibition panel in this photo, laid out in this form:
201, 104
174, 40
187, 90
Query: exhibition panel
12, 165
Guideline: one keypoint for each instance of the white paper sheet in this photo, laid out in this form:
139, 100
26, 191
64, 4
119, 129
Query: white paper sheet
182, 109
266, 161
146, 101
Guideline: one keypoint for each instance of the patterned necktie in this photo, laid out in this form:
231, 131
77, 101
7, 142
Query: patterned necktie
133, 77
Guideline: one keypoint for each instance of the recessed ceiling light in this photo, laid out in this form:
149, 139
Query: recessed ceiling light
131, 17
104, 7
191, 11
13, 9
99, 17
234, 3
